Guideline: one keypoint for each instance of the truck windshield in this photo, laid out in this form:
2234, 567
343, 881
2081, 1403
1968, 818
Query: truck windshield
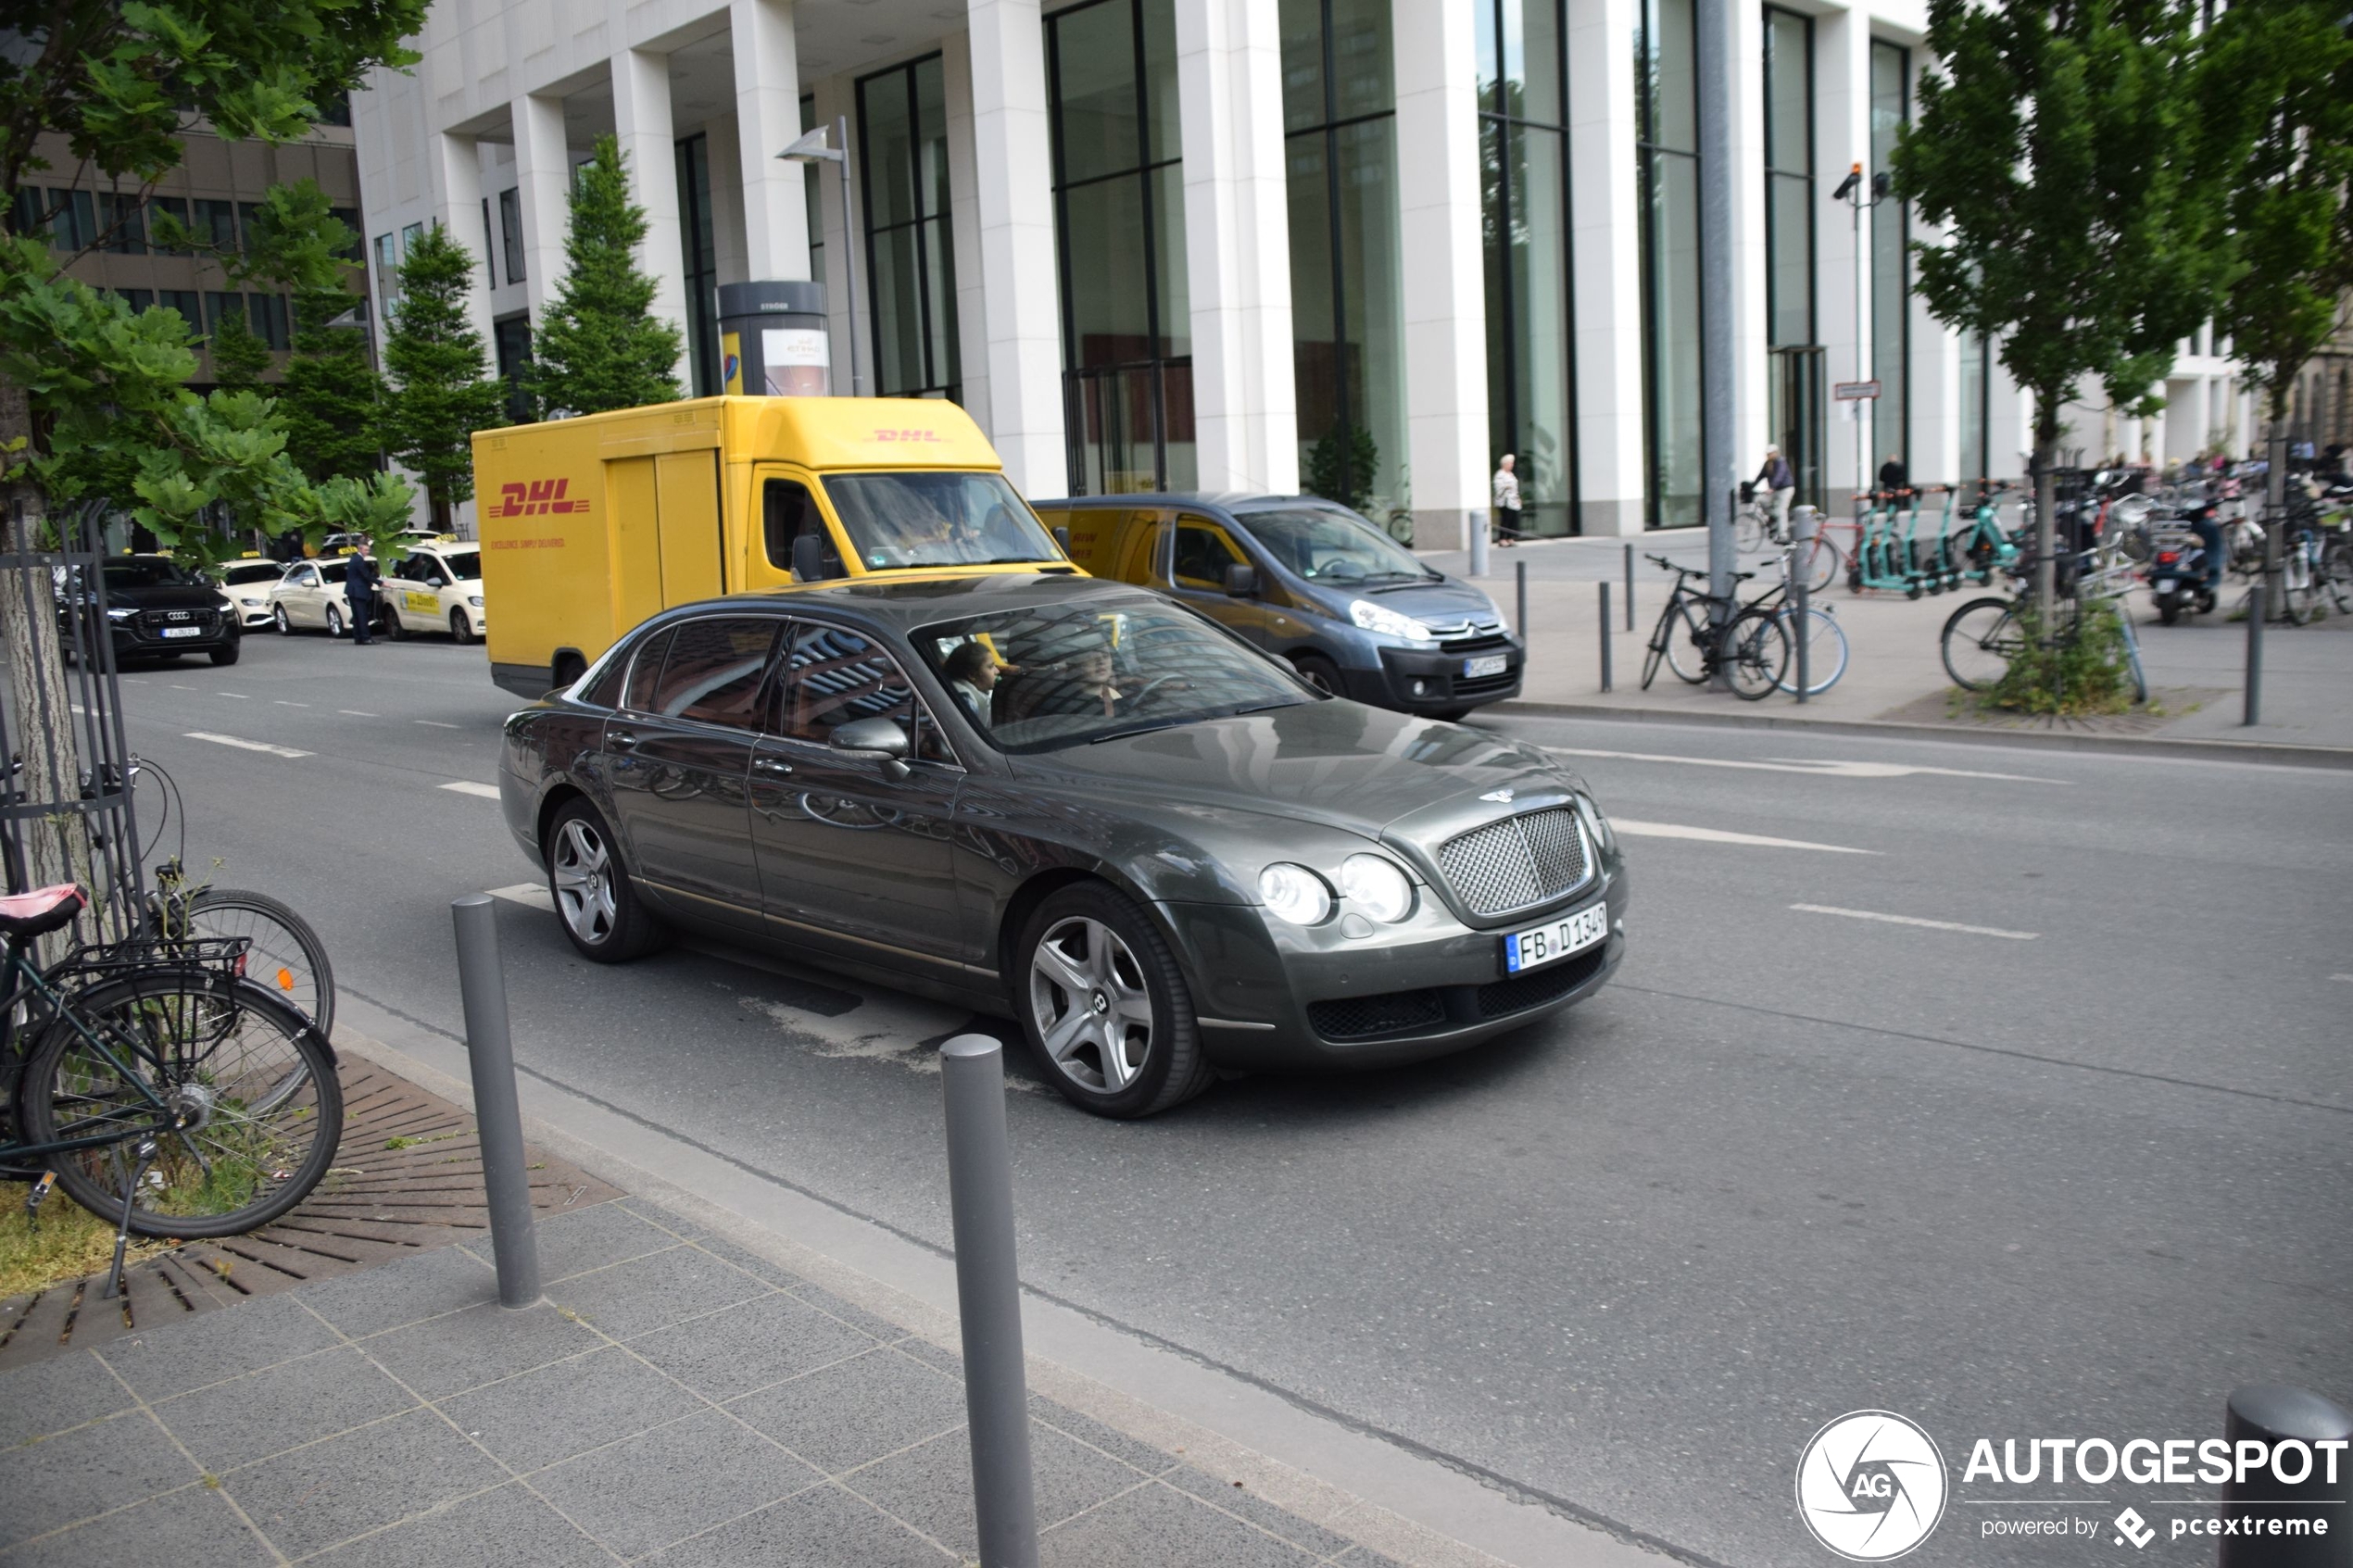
897, 520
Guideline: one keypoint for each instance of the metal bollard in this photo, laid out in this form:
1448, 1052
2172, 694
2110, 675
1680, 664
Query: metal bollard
1605, 634
2255, 610
1477, 543
980, 1198
498, 1118
1520, 570
2271, 1416
1629, 587
1804, 524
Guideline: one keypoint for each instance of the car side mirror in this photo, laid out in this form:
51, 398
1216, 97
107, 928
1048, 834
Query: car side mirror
1241, 580
882, 739
436, 582
1061, 536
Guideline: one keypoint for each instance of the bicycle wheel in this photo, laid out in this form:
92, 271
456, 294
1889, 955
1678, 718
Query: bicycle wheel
1821, 564
2336, 575
250, 1082
1756, 654
1748, 531
1825, 650
284, 956
1688, 635
2299, 596
1978, 643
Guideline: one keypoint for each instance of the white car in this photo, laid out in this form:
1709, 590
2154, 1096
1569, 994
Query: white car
310, 596
246, 584
437, 587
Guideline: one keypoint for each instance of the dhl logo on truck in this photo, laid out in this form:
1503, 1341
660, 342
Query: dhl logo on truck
909, 435
535, 498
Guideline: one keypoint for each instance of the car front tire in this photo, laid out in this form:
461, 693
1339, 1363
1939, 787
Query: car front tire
281, 620
598, 906
1104, 1006
460, 628
334, 622
1319, 672
226, 653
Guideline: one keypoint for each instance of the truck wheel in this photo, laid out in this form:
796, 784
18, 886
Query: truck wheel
600, 907
463, 629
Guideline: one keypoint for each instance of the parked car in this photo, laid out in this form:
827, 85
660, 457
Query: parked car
436, 587
155, 608
310, 596
1312, 583
246, 584
1075, 802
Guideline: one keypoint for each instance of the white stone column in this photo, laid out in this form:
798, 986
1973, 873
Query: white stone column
1014, 197
963, 226
455, 172
1440, 208
1842, 297
1229, 90
1936, 390
767, 121
649, 153
543, 170
1751, 354
1608, 281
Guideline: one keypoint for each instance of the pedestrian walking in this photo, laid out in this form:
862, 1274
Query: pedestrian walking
1506, 512
1892, 477
1781, 483
360, 592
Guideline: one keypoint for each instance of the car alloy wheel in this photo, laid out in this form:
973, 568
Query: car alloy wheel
1094, 1015
582, 869
334, 622
278, 616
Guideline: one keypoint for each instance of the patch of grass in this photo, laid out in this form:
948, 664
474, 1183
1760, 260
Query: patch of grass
2077, 672
404, 1142
70, 1242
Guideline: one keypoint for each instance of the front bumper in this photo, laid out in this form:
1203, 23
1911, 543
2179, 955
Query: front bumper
141, 642
1431, 681
1272, 994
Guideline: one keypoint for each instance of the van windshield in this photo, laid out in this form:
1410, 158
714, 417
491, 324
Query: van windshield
898, 521
1333, 546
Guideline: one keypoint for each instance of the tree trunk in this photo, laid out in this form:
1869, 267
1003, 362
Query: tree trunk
2045, 526
2275, 519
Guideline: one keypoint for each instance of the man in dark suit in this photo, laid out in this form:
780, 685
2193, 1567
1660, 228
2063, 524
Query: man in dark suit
360, 591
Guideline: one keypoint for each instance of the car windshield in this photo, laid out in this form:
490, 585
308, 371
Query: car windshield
467, 564
253, 572
1333, 546
1063, 675
145, 571
896, 521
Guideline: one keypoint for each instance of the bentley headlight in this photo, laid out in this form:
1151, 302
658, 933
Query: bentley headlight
1378, 887
1294, 892
1388, 622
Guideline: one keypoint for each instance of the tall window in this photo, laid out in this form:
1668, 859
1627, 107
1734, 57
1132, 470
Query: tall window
700, 253
1796, 387
1667, 131
1523, 103
816, 171
1119, 214
511, 232
1339, 121
903, 126
1890, 262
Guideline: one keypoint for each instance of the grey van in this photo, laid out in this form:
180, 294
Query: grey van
1310, 582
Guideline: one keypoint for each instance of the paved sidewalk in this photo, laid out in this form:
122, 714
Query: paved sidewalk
675, 1399
1895, 674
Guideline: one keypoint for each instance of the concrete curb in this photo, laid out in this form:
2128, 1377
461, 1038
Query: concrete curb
2256, 752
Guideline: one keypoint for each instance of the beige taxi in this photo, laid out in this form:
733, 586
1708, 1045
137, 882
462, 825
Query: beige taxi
436, 587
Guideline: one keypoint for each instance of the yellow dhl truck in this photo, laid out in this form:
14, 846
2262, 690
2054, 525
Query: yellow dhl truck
590, 525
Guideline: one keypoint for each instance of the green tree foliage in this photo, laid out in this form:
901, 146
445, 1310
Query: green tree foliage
441, 393
331, 397
600, 346
1351, 485
239, 357
2290, 209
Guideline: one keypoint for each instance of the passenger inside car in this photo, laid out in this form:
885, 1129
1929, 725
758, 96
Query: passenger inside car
971, 673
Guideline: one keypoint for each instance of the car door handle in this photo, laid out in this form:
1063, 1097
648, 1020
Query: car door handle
777, 765
622, 740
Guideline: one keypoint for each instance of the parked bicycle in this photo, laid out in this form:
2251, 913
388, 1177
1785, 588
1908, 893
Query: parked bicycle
1981, 637
1754, 529
1752, 645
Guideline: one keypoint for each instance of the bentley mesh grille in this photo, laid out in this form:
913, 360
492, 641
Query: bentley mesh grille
1516, 863
1534, 989
1352, 1018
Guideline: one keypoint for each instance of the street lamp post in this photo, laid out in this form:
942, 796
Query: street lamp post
811, 148
1851, 191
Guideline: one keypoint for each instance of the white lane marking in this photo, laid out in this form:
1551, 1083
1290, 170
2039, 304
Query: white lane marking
355, 714
1820, 765
1914, 919
1718, 836
136, 681
2347, 978
239, 695
535, 894
282, 702
467, 786
245, 744
434, 723
178, 687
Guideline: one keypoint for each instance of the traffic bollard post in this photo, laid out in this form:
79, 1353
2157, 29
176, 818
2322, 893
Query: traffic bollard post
1519, 570
1804, 523
2287, 1425
1629, 587
490, 1051
1477, 543
2257, 608
980, 1201
1605, 634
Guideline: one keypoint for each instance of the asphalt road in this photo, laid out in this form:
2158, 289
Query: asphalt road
2076, 1181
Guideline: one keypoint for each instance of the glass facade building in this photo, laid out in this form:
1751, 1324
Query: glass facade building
1666, 148
698, 254
1119, 222
1523, 150
910, 265
1890, 259
1340, 126
1794, 386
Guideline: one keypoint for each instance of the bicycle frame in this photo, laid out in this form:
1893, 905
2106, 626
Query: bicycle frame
26, 979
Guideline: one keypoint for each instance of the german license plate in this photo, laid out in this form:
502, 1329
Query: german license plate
1485, 664
183, 630
2164, 584
1556, 939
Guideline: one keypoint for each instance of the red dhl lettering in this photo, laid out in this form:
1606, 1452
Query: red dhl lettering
535, 497
908, 436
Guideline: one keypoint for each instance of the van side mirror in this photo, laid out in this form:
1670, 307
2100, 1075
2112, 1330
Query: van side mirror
808, 559
1241, 580
1061, 536
883, 740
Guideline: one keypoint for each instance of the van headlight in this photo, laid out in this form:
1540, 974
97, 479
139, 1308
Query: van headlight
1378, 887
1388, 622
1294, 894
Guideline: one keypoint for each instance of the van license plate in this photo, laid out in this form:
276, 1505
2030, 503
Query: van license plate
183, 630
1485, 664
1556, 939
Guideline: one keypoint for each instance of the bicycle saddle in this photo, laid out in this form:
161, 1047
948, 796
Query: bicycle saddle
27, 915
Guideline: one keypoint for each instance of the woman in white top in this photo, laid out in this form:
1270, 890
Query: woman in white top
1507, 516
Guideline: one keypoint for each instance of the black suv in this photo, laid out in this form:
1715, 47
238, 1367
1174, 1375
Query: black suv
158, 609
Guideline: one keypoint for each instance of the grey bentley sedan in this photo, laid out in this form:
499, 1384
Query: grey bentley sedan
1075, 802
